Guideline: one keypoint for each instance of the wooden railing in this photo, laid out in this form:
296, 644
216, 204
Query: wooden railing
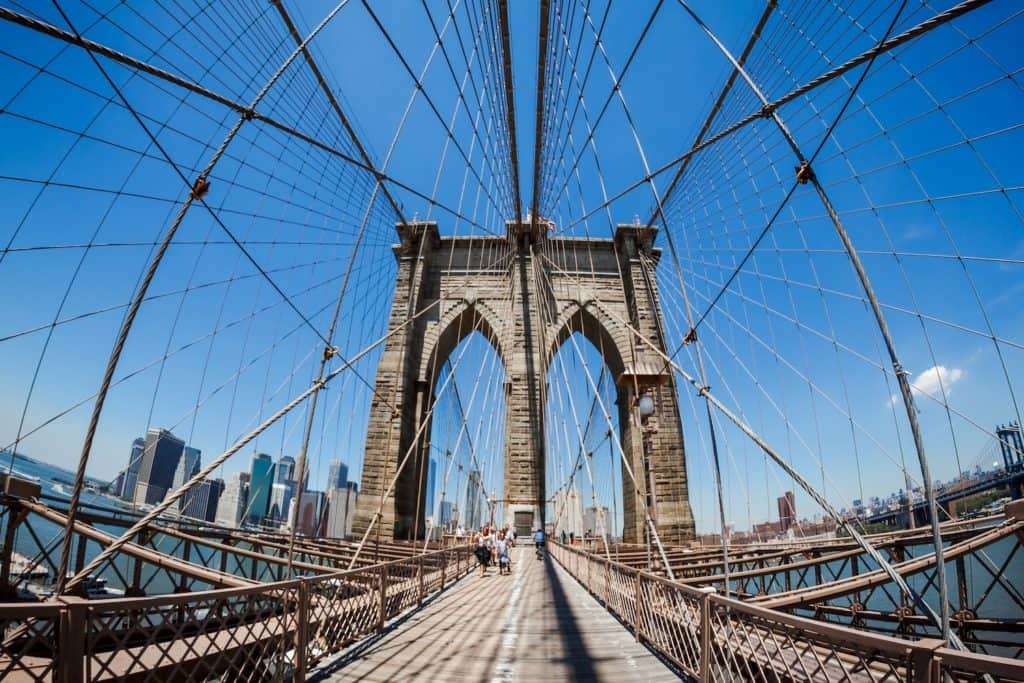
269, 632
714, 638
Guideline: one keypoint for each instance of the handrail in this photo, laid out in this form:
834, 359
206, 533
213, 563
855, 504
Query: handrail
241, 632
713, 637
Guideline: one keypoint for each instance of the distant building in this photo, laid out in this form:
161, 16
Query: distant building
202, 500
188, 466
131, 472
261, 479
568, 513
596, 521
447, 514
428, 501
341, 511
787, 510
284, 470
309, 520
337, 475
159, 460
280, 499
474, 501
233, 500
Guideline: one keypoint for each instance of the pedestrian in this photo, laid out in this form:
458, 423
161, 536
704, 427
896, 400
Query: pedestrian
501, 550
511, 536
538, 539
483, 553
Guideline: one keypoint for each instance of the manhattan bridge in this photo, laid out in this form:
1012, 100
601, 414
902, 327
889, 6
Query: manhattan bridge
721, 298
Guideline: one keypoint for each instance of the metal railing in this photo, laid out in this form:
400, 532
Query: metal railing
269, 632
714, 638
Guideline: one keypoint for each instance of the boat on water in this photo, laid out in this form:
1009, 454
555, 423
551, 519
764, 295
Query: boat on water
96, 588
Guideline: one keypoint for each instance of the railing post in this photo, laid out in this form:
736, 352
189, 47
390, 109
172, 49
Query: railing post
607, 583
589, 587
301, 632
444, 566
383, 597
419, 576
636, 610
705, 632
922, 658
73, 633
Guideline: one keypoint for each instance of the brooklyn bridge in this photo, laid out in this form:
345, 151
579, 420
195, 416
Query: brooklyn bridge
479, 340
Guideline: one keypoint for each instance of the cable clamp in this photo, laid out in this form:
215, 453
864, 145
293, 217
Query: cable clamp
250, 114
804, 174
330, 352
899, 370
767, 110
200, 188
691, 336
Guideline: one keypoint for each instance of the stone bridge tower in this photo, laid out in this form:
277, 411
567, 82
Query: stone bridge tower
526, 293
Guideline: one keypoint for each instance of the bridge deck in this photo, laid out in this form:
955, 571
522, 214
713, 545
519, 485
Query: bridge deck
537, 624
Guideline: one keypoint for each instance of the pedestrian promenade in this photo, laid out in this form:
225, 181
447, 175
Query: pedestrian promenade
536, 624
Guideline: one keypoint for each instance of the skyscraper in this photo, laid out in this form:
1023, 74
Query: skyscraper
233, 499
596, 521
131, 472
202, 500
431, 486
568, 512
337, 475
284, 470
474, 500
341, 511
280, 498
188, 466
159, 460
787, 510
310, 507
261, 479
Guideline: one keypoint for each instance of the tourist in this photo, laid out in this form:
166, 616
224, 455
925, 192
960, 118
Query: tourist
483, 553
501, 550
511, 537
538, 540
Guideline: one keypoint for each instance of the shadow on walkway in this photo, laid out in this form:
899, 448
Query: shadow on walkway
576, 656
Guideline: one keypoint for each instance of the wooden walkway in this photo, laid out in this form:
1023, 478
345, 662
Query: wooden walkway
536, 625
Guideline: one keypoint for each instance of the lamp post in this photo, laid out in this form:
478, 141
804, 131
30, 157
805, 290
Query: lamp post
645, 406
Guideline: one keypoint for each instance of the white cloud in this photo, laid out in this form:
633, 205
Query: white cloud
933, 380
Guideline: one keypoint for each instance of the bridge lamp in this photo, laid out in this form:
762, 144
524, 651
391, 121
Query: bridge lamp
645, 405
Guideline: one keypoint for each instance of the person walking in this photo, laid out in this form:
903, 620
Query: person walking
501, 550
483, 553
538, 540
511, 537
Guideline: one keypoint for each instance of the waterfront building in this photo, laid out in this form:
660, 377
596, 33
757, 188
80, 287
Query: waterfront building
261, 479
188, 466
337, 475
202, 500
159, 460
130, 477
233, 500
787, 510
284, 470
341, 510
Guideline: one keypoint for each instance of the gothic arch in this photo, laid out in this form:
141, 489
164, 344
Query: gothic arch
600, 330
459, 321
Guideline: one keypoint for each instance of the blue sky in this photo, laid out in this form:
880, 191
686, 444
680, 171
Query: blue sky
923, 170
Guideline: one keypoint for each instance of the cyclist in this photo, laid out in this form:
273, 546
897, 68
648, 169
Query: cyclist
538, 539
